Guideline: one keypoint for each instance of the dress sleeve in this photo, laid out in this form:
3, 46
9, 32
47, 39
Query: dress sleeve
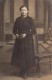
15, 27
33, 29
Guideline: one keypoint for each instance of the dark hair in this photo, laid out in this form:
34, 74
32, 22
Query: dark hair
23, 6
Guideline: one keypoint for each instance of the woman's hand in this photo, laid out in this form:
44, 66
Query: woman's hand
17, 35
22, 36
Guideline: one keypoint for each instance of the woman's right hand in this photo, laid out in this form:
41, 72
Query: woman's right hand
17, 35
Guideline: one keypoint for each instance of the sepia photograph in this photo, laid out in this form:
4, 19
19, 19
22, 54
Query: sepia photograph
25, 39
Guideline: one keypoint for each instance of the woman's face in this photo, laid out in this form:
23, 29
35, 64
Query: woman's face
24, 11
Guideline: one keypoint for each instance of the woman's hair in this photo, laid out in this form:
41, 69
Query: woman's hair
23, 6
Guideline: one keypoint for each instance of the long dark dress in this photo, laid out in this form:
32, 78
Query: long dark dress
23, 52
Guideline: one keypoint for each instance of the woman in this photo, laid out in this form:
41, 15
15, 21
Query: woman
23, 52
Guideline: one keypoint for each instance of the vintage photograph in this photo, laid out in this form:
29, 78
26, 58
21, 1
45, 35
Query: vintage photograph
25, 39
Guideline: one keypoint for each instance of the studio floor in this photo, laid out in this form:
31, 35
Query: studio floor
8, 72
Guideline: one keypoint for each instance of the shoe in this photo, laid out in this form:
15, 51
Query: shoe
24, 76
